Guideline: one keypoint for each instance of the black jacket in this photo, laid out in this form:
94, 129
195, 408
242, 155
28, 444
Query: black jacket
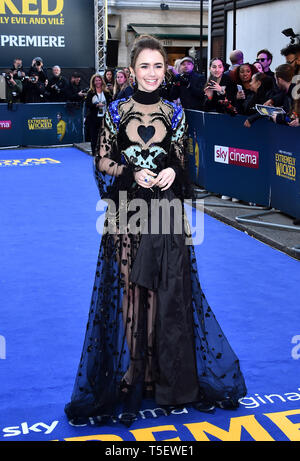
57, 89
41, 73
72, 92
34, 92
92, 109
287, 103
214, 105
260, 97
189, 88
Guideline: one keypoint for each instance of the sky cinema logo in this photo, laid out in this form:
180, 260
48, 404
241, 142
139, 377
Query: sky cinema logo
236, 156
5, 124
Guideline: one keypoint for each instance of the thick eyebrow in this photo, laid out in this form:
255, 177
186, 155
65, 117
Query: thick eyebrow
147, 63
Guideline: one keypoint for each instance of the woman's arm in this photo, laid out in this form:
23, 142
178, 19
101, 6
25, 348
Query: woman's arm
176, 174
112, 171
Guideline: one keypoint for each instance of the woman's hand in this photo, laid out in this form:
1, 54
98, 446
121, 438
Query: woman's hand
165, 178
214, 86
294, 122
145, 178
208, 92
240, 95
247, 124
274, 117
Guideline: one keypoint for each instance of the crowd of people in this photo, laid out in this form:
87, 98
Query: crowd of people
39, 84
233, 89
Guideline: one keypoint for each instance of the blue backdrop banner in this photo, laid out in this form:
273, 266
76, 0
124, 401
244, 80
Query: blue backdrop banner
43, 124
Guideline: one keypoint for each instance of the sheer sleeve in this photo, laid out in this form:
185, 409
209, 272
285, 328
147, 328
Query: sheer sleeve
112, 172
179, 158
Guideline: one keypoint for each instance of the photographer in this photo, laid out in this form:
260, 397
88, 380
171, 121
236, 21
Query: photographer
75, 92
188, 85
37, 67
57, 89
13, 87
17, 69
34, 89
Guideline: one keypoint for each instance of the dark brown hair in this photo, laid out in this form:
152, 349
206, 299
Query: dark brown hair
285, 71
235, 73
146, 42
266, 52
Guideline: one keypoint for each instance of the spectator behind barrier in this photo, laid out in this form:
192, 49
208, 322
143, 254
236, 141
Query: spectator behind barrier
262, 88
292, 56
109, 80
122, 87
127, 72
220, 90
131, 80
258, 66
290, 101
34, 89
236, 58
265, 58
57, 88
242, 76
75, 91
188, 85
97, 99
13, 87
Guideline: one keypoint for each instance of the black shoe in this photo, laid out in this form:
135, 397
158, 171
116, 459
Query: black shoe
228, 404
206, 407
127, 419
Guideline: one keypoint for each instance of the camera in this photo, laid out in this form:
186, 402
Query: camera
56, 88
184, 79
38, 63
31, 79
7, 77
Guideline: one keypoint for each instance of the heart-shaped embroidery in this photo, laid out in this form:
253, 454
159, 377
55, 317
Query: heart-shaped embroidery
146, 132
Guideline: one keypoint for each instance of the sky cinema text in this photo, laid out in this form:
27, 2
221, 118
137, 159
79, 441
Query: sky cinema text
31, 7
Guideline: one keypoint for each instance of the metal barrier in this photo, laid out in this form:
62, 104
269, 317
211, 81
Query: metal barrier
260, 164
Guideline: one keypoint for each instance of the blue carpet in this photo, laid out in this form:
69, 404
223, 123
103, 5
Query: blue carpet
49, 247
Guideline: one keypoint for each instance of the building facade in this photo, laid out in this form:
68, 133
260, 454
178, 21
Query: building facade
176, 23
258, 25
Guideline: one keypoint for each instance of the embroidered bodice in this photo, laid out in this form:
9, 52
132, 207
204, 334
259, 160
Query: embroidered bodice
143, 131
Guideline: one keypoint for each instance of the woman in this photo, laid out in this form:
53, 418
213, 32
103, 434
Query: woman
96, 103
122, 88
109, 80
258, 66
151, 331
262, 89
242, 76
219, 89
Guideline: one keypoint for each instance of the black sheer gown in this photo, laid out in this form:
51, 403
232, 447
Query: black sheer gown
150, 331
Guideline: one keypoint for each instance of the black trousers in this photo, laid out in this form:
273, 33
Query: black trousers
94, 127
